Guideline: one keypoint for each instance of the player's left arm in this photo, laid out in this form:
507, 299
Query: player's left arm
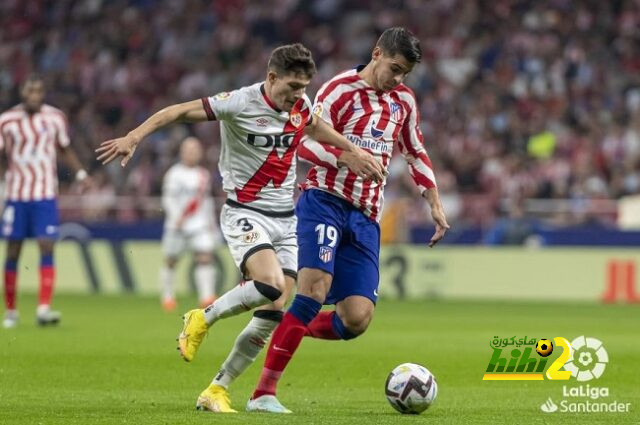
412, 148
68, 155
357, 159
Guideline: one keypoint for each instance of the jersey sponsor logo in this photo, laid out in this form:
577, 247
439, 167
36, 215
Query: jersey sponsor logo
295, 119
318, 109
223, 95
325, 254
262, 122
374, 145
268, 140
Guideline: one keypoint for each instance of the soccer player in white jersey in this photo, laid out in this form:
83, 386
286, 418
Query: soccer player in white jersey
261, 128
189, 224
30, 134
338, 232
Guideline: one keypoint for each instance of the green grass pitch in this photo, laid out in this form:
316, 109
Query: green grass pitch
113, 361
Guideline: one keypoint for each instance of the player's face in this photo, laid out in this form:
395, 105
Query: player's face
33, 95
287, 89
389, 71
190, 152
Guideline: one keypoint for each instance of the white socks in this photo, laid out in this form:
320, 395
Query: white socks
205, 276
245, 296
247, 346
167, 276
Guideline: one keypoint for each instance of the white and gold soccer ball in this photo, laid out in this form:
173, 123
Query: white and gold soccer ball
411, 388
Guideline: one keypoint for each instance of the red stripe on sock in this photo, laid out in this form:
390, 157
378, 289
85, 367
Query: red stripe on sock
285, 341
10, 279
47, 278
322, 326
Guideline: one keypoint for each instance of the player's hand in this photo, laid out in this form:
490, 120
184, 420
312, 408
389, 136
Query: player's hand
123, 146
363, 164
85, 185
437, 213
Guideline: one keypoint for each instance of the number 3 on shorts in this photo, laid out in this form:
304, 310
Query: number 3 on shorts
328, 232
246, 226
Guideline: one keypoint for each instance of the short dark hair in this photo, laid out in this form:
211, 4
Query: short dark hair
32, 78
292, 58
400, 40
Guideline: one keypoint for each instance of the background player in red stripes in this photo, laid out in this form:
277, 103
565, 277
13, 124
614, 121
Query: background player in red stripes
31, 133
338, 232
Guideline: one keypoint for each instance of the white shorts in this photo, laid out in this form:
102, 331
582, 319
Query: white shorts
248, 232
175, 242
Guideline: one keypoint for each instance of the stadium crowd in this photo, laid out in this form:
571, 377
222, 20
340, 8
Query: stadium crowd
518, 99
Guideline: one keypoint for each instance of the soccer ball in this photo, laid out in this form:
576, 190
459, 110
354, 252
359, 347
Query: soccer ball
411, 388
544, 347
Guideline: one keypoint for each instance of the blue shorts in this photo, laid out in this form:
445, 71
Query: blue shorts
336, 237
30, 219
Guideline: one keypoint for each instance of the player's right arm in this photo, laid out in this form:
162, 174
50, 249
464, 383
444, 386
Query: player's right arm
193, 111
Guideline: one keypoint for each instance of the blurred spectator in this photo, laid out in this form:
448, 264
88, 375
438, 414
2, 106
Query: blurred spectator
539, 99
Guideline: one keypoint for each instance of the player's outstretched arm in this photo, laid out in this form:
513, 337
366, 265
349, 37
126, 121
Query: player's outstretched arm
437, 213
357, 159
192, 111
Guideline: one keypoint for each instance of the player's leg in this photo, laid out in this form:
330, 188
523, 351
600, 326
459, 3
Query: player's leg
173, 244
44, 314
355, 283
320, 219
14, 248
15, 223
44, 226
249, 241
245, 350
205, 275
167, 283
254, 336
202, 245
265, 286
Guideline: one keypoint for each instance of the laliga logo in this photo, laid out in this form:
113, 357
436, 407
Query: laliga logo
589, 359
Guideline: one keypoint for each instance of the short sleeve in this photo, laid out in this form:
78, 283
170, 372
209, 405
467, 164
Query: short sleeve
225, 105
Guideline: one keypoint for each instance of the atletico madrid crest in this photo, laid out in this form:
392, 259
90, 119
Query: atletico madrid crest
396, 112
325, 254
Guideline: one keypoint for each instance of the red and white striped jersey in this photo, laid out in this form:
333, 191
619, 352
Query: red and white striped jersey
30, 141
259, 142
374, 121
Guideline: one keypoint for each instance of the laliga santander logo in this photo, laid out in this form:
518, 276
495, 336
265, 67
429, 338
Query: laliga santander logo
589, 359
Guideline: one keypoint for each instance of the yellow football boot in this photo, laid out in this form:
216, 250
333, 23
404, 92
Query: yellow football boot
215, 399
193, 332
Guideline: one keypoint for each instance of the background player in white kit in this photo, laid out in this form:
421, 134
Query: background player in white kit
261, 127
189, 224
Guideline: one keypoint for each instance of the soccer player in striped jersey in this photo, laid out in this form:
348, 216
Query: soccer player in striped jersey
261, 128
338, 232
30, 134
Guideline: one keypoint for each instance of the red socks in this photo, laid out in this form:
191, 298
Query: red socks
284, 343
10, 278
322, 326
47, 277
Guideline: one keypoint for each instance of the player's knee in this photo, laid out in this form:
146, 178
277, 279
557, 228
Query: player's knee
314, 284
357, 326
204, 259
171, 262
